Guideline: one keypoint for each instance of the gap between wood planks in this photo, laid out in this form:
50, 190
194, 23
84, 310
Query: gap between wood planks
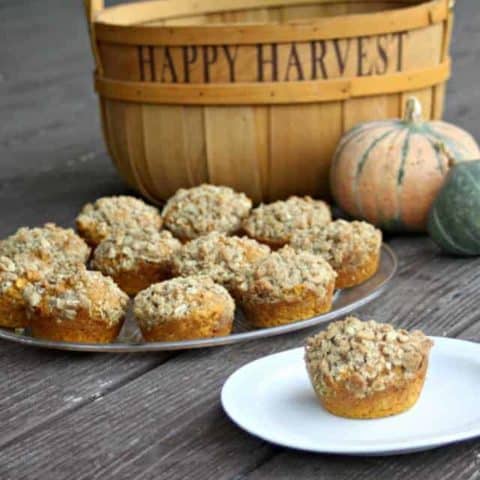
72, 407
407, 280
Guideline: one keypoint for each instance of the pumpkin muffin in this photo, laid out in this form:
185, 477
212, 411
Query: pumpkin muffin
48, 243
107, 215
287, 287
136, 259
367, 369
81, 306
184, 308
351, 248
275, 223
197, 211
224, 259
17, 277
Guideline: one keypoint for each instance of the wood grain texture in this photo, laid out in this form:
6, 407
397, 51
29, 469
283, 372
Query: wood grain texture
242, 58
140, 418
168, 421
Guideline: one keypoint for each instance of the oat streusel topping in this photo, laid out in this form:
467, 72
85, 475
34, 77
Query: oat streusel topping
368, 356
179, 298
109, 214
63, 296
197, 211
224, 259
340, 242
278, 277
279, 220
126, 251
48, 243
20, 273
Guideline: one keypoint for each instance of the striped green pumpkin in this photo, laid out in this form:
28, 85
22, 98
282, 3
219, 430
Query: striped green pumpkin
454, 220
389, 172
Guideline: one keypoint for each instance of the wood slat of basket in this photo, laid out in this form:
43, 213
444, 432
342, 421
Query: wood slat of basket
267, 138
133, 118
110, 29
143, 12
439, 90
117, 135
236, 155
300, 164
272, 92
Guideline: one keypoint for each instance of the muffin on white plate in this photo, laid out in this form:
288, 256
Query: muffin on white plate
367, 369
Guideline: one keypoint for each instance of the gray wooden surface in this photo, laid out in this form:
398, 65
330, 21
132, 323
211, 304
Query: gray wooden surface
77, 416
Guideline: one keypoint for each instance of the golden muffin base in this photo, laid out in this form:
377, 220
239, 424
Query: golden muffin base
147, 274
201, 325
391, 401
82, 329
13, 315
265, 315
350, 276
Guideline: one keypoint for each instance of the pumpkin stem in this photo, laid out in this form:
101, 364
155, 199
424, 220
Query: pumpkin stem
413, 111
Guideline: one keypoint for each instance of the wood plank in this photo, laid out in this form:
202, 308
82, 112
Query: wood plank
455, 462
55, 383
169, 421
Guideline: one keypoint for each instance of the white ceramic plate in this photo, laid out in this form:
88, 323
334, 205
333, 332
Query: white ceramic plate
272, 398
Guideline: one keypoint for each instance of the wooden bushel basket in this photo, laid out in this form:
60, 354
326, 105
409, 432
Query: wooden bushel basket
255, 94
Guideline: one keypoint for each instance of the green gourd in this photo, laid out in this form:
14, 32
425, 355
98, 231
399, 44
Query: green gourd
454, 219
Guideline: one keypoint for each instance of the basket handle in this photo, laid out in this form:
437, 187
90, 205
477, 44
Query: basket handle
92, 8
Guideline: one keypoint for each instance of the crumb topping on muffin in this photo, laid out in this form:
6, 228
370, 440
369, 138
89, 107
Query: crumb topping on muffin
368, 356
17, 274
279, 276
224, 259
179, 298
340, 241
197, 211
46, 243
109, 214
65, 296
128, 250
277, 221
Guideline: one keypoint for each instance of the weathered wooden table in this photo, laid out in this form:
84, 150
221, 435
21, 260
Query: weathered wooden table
79, 416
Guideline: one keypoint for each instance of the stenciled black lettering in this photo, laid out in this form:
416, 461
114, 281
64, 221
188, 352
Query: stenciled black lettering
146, 59
231, 59
401, 37
294, 63
362, 58
168, 66
342, 57
381, 66
262, 62
210, 56
190, 55
318, 51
